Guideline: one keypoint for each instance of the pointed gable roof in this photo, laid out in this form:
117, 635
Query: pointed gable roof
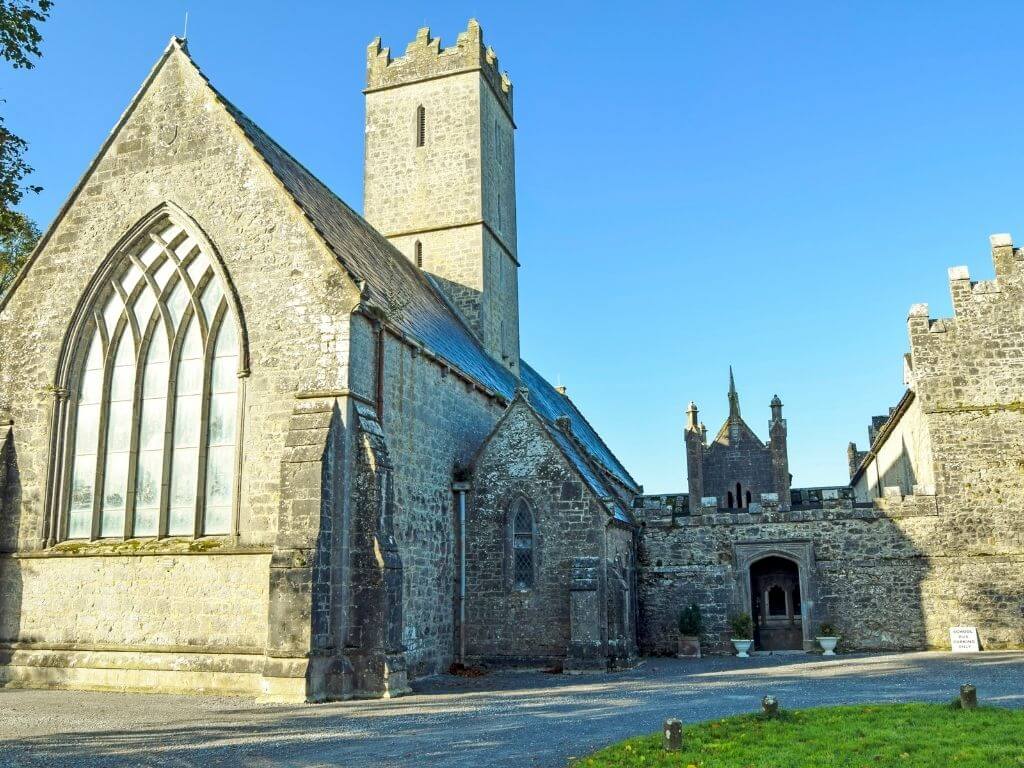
413, 305
735, 431
560, 431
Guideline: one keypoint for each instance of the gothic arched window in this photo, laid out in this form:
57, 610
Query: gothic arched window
522, 546
150, 441
739, 496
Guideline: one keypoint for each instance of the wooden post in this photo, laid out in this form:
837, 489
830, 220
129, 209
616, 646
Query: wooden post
673, 735
968, 696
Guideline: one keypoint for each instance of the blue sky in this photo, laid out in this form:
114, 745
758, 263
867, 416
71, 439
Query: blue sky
699, 184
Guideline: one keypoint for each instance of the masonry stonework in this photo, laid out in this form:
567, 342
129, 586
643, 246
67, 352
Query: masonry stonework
407, 492
537, 624
440, 174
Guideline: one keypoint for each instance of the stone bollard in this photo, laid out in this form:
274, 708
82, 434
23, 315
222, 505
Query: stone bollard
968, 697
770, 706
673, 731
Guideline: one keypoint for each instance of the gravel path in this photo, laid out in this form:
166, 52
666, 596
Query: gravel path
503, 719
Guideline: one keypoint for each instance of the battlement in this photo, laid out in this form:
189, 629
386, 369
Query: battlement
425, 59
967, 294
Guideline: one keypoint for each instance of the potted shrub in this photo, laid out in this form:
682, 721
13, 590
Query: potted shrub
690, 626
827, 638
742, 627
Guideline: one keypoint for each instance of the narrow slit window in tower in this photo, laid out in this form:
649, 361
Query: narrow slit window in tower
418, 248
421, 126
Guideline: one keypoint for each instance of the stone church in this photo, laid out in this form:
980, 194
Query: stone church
253, 442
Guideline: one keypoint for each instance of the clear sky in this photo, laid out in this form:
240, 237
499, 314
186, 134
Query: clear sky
770, 185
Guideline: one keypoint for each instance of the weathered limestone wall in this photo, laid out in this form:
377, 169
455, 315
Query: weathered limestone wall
968, 374
454, 194
623, 608
870, 577
903, 460
749, 464
178, 145
177, 623
139, 601
433, 422
503, 624
434, 186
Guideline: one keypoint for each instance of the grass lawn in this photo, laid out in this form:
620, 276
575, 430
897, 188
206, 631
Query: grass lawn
904, 735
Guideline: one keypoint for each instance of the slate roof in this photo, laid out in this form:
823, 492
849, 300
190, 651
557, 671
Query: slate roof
418, 308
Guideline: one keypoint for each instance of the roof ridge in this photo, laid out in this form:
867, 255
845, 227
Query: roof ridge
589, 426
238, 115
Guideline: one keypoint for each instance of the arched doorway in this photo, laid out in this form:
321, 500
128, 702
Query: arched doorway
776, 605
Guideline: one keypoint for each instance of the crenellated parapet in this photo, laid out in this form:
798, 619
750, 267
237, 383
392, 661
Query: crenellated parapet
425, 59
976, 357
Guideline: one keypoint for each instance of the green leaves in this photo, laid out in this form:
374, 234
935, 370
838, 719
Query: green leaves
19, 44
18, 236
19, 37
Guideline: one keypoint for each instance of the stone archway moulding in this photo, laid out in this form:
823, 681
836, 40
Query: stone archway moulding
799, 551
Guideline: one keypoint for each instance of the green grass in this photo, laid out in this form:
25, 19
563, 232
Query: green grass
872, 736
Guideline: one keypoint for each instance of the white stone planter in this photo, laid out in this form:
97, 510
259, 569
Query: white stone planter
828, 645
741, 646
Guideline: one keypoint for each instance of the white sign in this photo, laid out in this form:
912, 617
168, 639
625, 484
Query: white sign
963, 639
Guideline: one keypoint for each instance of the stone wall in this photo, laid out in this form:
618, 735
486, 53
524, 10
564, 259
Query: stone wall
623, 607
968, 374
504, 624
748, 464
138, 601
177, 144
903, 457
867, 574
433, 421
455, 194
179, 623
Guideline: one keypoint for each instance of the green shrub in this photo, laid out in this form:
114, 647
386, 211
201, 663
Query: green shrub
827, 629
742, 626
691, 623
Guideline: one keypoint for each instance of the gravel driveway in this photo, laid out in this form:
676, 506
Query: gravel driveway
501, 719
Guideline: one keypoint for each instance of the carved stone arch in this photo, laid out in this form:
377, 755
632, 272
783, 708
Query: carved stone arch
160, 272
798, 551
82, 314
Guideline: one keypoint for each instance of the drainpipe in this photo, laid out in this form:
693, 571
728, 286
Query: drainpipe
379, 372
460, 491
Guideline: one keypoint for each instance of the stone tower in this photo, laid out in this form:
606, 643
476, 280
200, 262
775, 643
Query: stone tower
736, 468
440, 175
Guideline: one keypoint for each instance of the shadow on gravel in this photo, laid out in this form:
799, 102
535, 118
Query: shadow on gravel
507, 718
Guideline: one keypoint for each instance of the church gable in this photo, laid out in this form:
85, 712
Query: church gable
178, 142
735, 433
534, 510
524, 445
177, 151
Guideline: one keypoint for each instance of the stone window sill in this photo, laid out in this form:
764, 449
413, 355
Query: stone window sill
210, 545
